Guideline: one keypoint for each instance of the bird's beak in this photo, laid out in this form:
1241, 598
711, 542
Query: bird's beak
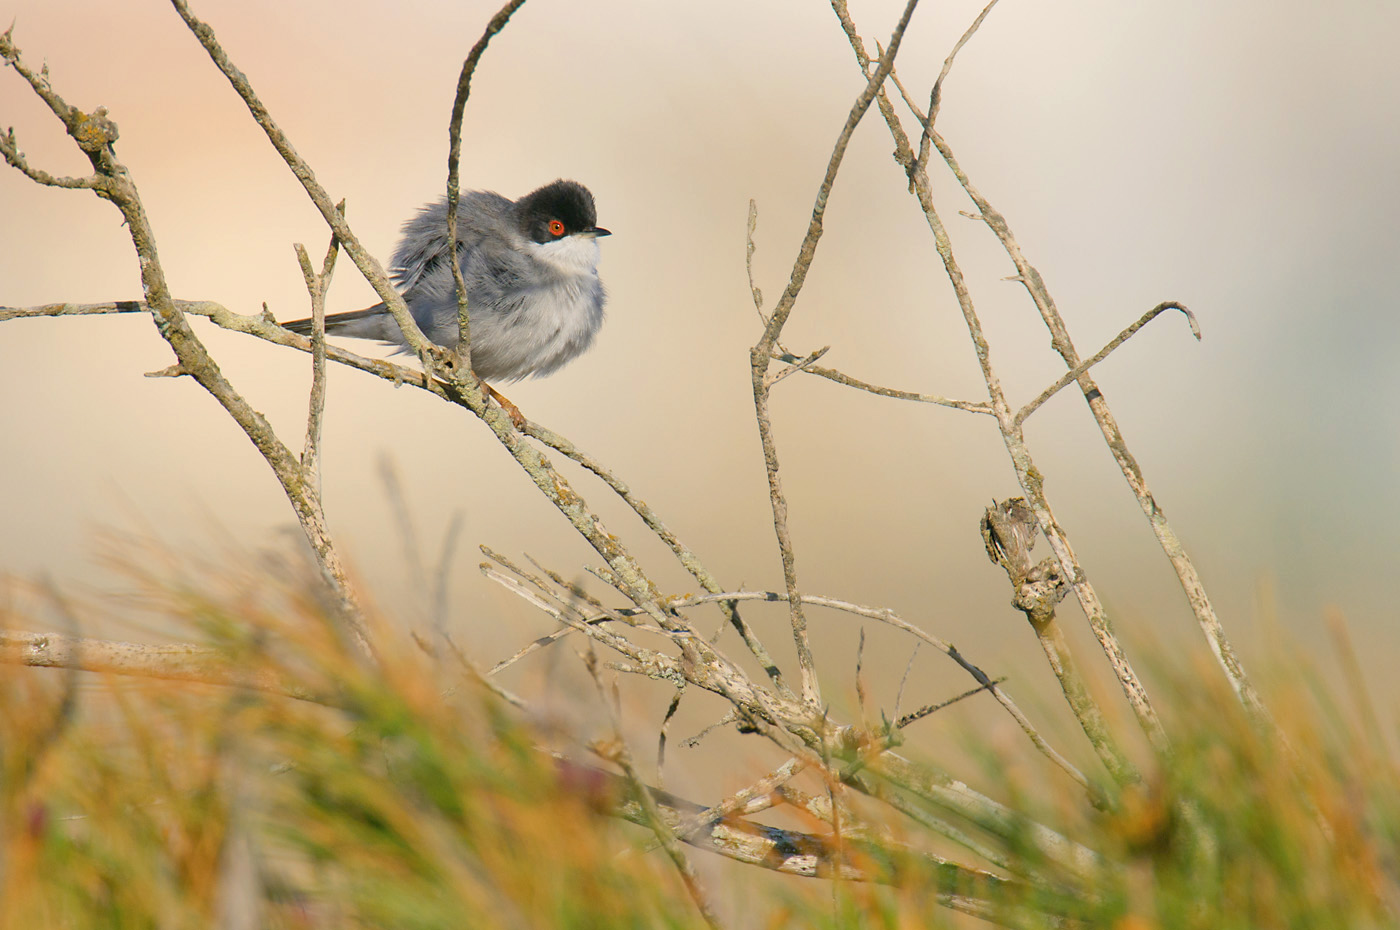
593, 232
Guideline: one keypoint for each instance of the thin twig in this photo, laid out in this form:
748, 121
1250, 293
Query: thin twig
690, 742
454, 157
663, 732
904, 679
860, 677
832, 374
10, 150
262, 326
566, 603
317, 285
798, 364
935, 100
748, 261
915, 716
1074, 373
653, 661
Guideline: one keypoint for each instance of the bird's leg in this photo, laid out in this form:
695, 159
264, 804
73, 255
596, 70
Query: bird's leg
516, 416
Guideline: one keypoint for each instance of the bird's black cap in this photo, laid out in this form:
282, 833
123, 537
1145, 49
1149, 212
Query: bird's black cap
559, 209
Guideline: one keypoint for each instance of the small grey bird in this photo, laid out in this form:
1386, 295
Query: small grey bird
534, 300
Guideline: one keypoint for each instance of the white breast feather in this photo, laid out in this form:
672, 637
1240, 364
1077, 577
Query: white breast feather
564, 316
571, 255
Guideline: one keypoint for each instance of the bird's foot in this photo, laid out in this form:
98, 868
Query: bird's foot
513, 411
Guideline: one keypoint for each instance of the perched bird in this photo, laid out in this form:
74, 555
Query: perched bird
534, 300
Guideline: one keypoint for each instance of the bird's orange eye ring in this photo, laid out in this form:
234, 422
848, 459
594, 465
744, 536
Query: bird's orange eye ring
556, 228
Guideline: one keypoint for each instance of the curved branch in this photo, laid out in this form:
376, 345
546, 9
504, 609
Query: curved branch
1074, 373
10, 150
454, 157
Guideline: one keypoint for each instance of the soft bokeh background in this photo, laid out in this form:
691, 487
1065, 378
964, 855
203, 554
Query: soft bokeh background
1238, 157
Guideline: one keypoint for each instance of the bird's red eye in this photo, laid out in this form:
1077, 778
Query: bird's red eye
556, 228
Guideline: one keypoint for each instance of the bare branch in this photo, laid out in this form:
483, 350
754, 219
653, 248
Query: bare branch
10, 150
115, 306
195, 664
263, 326
93, 134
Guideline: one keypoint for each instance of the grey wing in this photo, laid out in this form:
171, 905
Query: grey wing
490, 264
496, 270
423, 248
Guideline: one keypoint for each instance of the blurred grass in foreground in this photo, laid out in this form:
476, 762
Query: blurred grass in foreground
412, 798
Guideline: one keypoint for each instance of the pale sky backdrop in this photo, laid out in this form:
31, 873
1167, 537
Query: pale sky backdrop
1243, 158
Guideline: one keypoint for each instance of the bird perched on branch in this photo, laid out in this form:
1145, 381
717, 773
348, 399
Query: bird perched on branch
534, 300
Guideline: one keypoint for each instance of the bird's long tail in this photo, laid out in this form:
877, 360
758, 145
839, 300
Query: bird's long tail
369, 323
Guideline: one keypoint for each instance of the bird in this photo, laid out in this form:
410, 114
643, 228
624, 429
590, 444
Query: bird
534, 298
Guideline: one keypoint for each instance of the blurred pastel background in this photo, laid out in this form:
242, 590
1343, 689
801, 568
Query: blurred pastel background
1241, 158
